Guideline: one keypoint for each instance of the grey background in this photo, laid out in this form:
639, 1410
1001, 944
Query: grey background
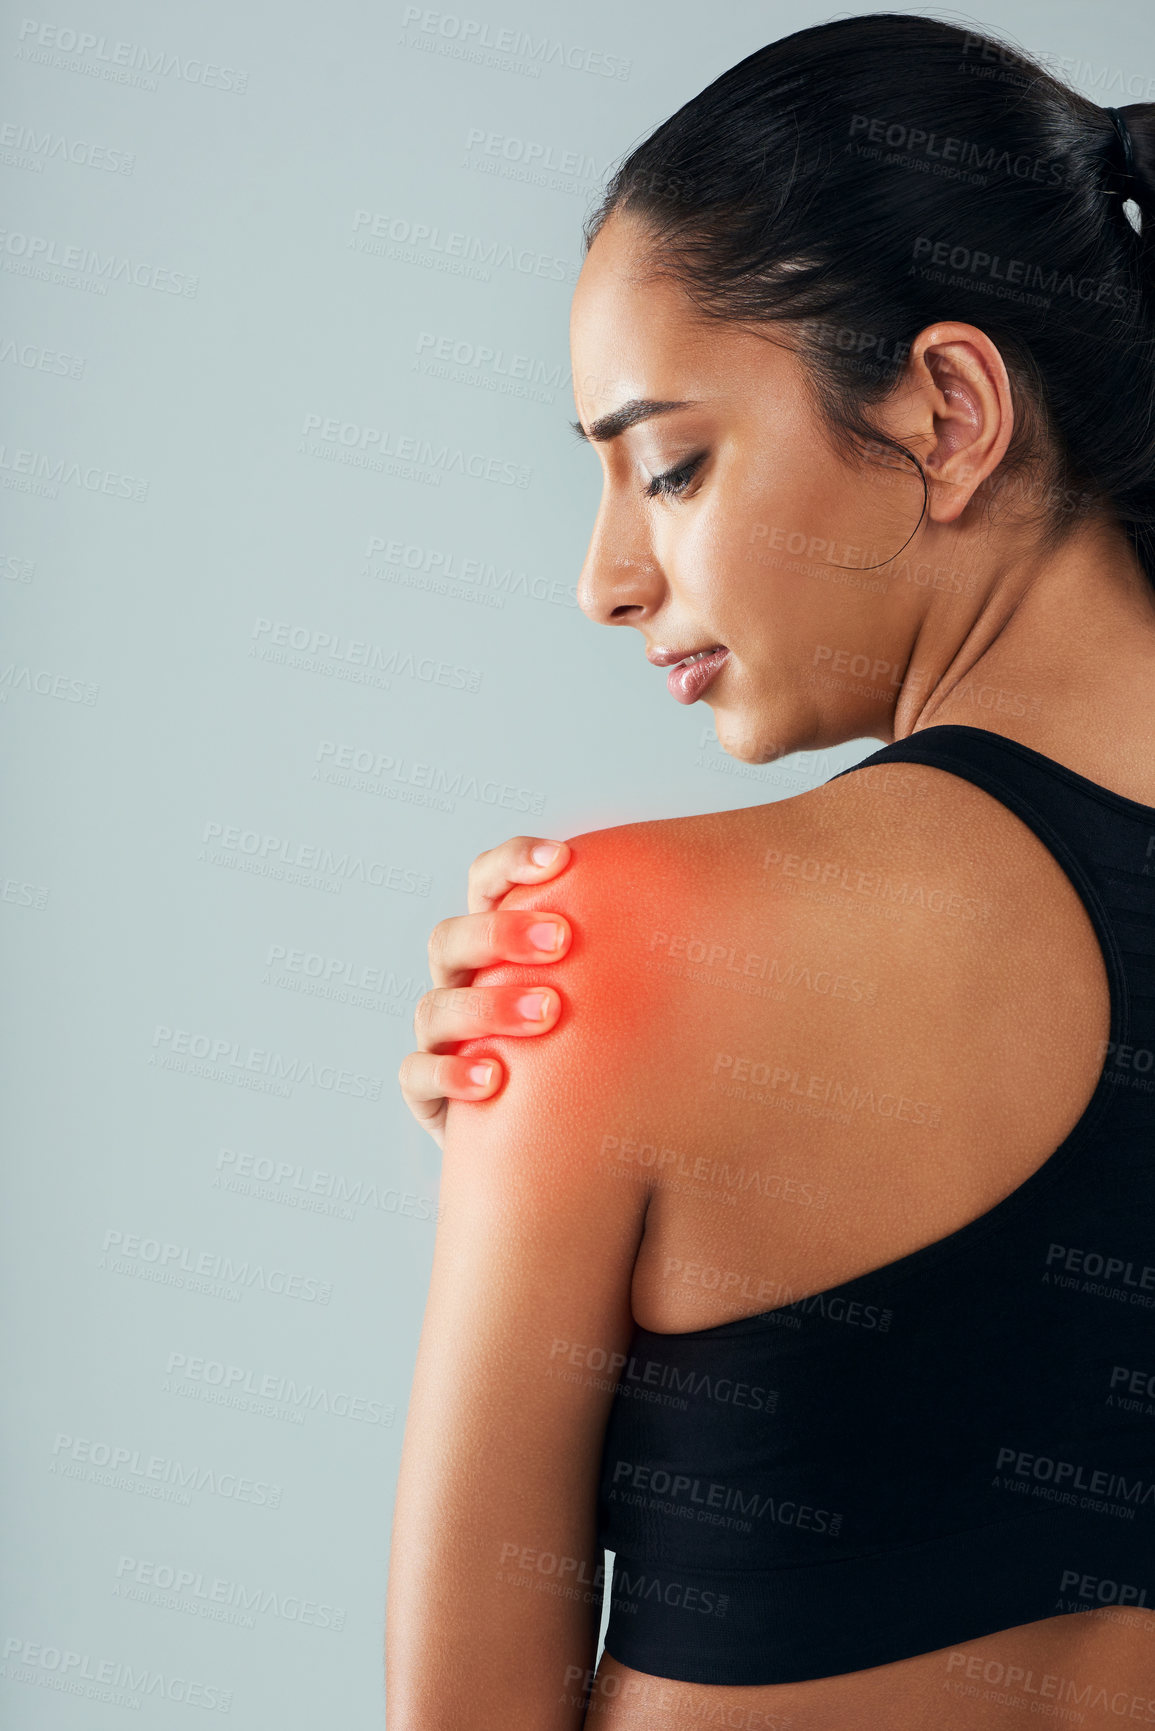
230, 248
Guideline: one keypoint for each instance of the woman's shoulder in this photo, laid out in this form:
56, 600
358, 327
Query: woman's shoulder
904, 943
887, 987
894, 885
904, 837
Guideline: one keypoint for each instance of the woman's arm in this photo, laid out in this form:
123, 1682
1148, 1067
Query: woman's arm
495, 1581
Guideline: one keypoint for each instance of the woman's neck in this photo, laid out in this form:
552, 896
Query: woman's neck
1048, 647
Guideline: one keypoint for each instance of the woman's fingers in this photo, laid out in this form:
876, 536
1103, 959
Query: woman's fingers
429, 1079
429, 1082
458, 946
466, 1012
524, 859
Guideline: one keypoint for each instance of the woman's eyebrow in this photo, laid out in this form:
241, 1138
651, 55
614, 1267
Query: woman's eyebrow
637, 409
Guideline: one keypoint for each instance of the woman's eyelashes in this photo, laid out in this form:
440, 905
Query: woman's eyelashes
675, 481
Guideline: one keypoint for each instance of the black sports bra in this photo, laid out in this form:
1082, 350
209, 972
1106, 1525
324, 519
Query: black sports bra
953, 1444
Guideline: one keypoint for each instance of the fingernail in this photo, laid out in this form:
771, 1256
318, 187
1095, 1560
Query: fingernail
545, 853
533, 1006
545, 935
481, 1074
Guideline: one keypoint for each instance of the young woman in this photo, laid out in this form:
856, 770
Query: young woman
809, 1266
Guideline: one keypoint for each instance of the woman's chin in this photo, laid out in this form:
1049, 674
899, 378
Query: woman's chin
752, 746
748, 743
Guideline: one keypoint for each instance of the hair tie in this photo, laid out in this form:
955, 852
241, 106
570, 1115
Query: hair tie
1124, 137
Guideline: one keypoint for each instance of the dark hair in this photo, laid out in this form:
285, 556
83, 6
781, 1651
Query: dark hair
870, 176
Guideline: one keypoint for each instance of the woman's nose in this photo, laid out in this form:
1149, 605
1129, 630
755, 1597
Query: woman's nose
621, 582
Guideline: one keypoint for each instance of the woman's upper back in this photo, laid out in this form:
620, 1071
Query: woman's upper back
894, 1292
898, 937
886, 998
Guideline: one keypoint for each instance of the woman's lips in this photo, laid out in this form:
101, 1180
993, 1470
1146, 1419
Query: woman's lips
687, 681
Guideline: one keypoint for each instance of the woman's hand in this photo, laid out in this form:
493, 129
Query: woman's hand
453, 1011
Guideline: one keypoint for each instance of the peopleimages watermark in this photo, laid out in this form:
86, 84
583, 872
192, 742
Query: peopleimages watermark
713, 1502
338, 971
117, 1682
838, 877
520, 1563
30, 471
594, 1691
704, 1278
35, 358
102, 57
242, 1386
135, 1251
630, 1589
408, 241
983, 159
45, 683
23, 146
1075, 1260
1128, 1066
1098, 1591
365, 770
881, 679
1137, 1382
37, 254
23, 894
839, 1092
160, 1476
13, 568
191, 1590
670, 1168
1127, 85
1022, 1686
478, 580
490, 368
311, 864
354, 658
1099, 1488
223, 1058
1020, 273
370, 447
315, 1191
533, 158
822, 982
627, 1369
483, 41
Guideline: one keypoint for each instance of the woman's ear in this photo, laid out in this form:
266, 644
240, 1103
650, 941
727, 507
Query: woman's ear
958, 394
